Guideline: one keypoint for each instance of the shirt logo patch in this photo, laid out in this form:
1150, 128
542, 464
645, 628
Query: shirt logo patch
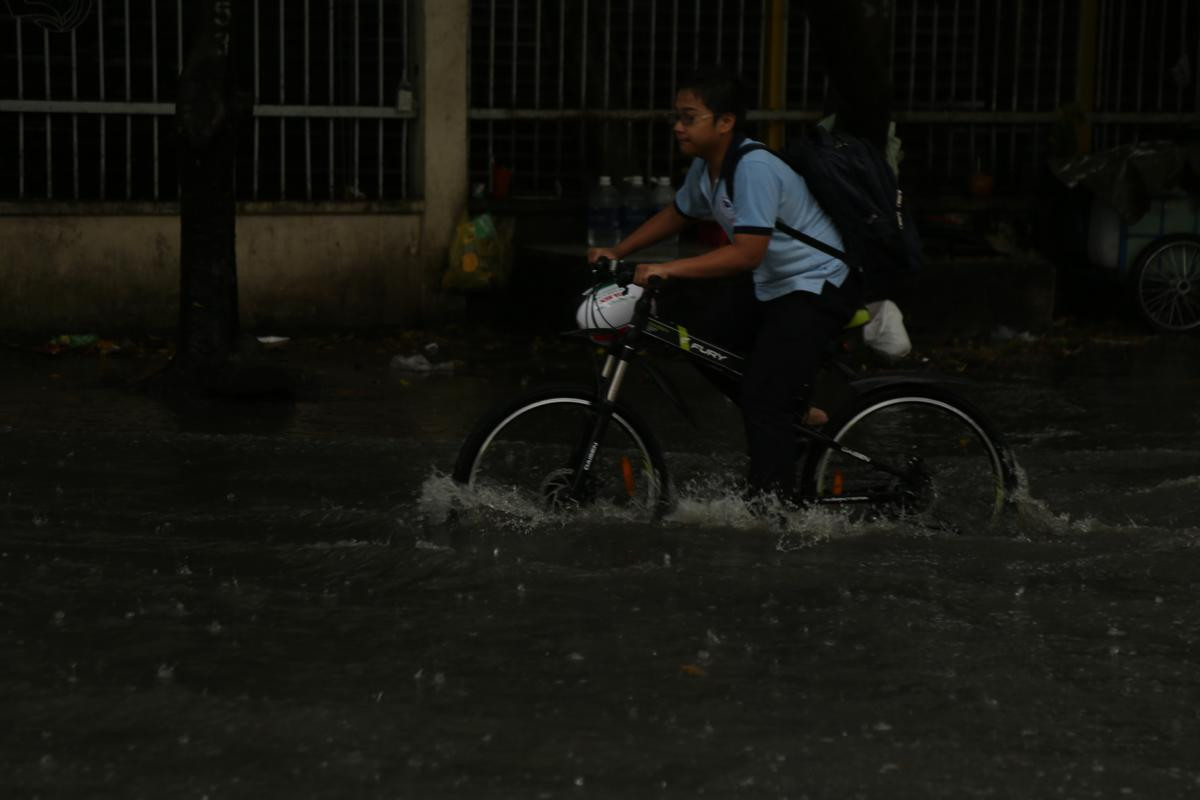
727, 212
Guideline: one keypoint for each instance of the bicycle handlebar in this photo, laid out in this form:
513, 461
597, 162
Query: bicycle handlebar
621, 272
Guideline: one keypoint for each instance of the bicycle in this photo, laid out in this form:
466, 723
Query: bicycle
902, 447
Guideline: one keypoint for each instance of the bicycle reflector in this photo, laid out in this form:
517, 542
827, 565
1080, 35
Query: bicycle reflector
839, 483
627, 474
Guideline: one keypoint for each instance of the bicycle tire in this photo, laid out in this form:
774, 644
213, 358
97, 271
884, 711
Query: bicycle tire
963, 475
629, 471
1166, 283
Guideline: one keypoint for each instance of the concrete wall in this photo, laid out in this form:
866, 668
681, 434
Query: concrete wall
75, 270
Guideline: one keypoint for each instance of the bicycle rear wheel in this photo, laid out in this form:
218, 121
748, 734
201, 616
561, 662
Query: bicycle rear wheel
530, 448
957, 473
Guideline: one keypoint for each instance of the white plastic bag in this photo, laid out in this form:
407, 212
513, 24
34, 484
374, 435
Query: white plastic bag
885, 333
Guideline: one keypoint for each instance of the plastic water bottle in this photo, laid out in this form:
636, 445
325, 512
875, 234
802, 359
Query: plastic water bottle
664, 196
637, 206
604, 207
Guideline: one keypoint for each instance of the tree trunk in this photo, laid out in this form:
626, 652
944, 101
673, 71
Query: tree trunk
206, 129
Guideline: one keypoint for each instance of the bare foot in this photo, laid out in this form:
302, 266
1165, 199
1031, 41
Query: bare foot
815, 417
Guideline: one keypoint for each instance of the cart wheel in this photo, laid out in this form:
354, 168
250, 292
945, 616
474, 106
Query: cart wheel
1166, 283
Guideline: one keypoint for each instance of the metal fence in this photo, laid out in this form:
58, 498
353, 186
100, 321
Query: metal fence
563, 90
87, 114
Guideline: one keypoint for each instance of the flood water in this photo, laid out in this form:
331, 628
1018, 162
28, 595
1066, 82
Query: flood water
266, 601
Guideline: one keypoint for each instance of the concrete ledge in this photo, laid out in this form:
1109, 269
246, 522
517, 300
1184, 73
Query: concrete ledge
971, 297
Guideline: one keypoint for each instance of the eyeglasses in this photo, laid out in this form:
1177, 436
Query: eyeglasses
688, 120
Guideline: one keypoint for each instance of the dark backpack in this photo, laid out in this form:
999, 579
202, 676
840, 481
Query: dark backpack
856, 187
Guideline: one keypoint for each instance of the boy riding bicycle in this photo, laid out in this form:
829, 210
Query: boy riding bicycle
765, 294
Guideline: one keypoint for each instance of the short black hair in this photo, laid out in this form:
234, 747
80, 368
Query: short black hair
720, 89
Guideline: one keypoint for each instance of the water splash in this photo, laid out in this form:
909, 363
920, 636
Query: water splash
712, 502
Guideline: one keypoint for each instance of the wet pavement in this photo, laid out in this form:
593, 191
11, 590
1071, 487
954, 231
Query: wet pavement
276, 601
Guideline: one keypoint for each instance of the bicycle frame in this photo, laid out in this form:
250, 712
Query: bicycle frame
622, 350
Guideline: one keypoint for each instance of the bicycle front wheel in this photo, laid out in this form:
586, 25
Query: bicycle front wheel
530, 449
934, 459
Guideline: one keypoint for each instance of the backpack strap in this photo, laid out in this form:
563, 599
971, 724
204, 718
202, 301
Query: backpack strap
734, 157
816, 244
737, 152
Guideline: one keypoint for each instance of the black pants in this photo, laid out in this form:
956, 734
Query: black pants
785, 341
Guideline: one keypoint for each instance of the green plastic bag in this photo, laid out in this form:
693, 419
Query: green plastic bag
480, 256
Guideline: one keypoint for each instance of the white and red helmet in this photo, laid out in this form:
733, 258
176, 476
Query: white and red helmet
609, 306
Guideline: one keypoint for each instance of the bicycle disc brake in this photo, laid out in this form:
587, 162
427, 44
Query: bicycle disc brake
556, 490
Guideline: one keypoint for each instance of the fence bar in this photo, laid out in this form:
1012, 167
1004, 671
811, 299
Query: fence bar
379, 143
332, 96
20, 115
75, 122
650, 86
629, 81
1162, 48
801, 115
49, 122
955, 19
674, 74
720, 26
491, 131
1101, 56
607, 51
696, 37
1012, 132
933, 65
912, 57
804, 73
1118, 98
1142, 63
995, 106
995, 83
283, 99
972, 153
975, 60
583, 58
1037, 62
357, 93
1058, 62
512, 133
607, 62
562, 71
179, 66
1037, 79
128, 99
583, 64
257, 100
1197, 77
308, 189
954, 58
153, 84
1017, 36
404, 82
537, 92
891, 43
742, 34
614, 114
1183, 28
103, 119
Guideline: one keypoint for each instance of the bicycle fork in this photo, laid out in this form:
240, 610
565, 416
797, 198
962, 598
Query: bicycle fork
612, 377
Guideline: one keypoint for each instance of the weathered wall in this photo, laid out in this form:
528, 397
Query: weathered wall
70, 272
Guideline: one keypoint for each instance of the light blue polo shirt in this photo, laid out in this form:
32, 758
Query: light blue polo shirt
767, 189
